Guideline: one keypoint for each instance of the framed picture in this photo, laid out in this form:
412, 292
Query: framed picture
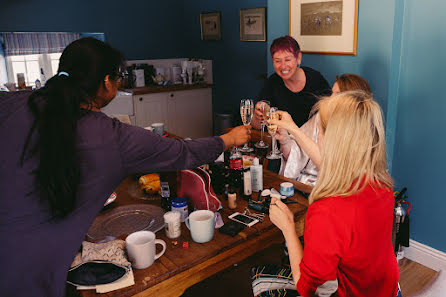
210, 25
253, 24
325, 27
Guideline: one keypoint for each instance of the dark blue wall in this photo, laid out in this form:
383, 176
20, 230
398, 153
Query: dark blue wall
236, 64
140, 29
156, 30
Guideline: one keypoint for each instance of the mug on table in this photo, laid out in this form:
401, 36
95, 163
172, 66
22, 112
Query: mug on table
140, 247
201, 224
158, 128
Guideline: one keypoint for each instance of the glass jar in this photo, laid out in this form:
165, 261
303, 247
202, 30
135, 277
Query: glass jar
179, 204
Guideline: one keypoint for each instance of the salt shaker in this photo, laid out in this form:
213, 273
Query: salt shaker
173, 224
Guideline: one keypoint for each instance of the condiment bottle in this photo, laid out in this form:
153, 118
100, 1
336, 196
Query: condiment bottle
232, 198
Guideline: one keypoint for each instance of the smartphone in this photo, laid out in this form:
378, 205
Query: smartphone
244, 219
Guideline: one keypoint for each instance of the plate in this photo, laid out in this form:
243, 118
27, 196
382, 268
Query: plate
126, 219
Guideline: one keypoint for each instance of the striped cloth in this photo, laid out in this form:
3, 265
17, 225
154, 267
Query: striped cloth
36, 43
272, 281
276, 281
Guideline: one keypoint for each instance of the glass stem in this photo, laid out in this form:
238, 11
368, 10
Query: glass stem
273, 149
261, 132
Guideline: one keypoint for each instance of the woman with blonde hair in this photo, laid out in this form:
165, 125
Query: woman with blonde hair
301, 156
348, 227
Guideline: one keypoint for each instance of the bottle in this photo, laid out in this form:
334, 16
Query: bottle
180, 204
236, 166
232, 198
167, 183
247, 190
256, 176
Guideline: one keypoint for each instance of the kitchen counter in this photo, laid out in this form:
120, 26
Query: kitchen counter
171, 88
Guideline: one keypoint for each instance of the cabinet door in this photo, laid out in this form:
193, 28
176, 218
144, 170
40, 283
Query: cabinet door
150, 108
190, 113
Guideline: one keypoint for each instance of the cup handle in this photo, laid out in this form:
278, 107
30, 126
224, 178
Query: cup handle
187, 223
160, 241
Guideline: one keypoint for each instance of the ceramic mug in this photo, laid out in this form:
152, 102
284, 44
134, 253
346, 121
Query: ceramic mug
201, 224
158, 128
141, 248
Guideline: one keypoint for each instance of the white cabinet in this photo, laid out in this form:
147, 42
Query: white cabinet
150, 108
186, 113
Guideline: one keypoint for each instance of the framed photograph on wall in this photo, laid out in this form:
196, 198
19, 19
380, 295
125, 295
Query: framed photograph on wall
210, 23
325, 27
253, 24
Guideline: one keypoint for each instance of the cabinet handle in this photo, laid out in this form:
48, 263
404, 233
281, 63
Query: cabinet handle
140, 98
171, 94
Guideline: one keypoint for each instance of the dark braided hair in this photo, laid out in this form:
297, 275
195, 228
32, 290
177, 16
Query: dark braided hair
82, 68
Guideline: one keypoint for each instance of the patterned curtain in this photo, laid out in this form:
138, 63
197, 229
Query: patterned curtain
36, 43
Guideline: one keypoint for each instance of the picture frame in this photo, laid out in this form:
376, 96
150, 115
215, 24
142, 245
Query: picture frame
210, 23
327, 27
253, 24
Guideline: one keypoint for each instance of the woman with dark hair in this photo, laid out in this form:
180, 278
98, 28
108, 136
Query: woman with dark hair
292, 88
62, 158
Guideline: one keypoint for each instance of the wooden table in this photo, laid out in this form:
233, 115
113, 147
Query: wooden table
180, 268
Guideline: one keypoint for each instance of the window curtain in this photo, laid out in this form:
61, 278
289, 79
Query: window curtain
36, 43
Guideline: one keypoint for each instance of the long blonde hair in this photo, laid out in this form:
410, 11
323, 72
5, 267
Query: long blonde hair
354, 150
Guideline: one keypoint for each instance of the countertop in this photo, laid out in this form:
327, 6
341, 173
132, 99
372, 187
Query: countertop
171, 88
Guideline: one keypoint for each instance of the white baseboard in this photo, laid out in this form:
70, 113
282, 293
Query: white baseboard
425, 255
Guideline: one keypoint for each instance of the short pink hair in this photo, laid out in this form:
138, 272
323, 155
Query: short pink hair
285, 43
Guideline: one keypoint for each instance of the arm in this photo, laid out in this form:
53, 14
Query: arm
258, 117
144, 151
284, 139
305, 142
283, 218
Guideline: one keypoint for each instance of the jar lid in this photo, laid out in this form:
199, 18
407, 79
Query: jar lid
179, 202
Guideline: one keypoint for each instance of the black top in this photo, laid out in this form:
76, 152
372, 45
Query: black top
299, 104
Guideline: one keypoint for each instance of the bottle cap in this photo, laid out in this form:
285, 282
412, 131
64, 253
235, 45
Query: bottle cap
255, 162
179, 202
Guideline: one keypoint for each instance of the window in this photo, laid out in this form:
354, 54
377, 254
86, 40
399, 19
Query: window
38, 66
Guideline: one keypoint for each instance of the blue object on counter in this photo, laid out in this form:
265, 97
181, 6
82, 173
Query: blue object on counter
180, 204
287, 189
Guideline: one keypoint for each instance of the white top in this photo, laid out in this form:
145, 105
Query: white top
299, 166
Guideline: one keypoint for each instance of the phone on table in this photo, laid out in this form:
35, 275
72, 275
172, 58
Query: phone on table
244, 219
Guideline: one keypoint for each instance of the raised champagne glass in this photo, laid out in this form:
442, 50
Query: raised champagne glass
272, 129
264, 108
246, 112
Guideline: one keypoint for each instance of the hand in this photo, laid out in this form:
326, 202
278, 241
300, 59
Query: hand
285, 121
258, 114
280, 215
237, 136
282, 136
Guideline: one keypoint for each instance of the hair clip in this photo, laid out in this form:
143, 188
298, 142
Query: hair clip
63, 73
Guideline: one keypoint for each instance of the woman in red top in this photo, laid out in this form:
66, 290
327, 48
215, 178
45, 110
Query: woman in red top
348, 247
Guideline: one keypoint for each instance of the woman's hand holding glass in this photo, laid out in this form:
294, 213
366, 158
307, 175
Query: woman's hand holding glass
272, 128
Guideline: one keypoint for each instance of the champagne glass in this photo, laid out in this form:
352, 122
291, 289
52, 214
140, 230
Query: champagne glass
264, 107
246, 112
272, 129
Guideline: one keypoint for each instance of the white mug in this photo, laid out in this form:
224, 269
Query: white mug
158, 128
141, 248
201, 224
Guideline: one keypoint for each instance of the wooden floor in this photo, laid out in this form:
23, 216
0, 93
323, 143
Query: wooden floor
235, 281
414, 276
